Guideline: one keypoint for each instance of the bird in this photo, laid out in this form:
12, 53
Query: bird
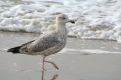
47, 43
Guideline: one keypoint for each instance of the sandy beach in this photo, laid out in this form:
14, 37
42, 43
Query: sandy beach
76, 66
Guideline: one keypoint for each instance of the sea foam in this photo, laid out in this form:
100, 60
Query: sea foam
95, 19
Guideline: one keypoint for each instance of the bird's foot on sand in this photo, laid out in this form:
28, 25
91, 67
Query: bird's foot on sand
54, 65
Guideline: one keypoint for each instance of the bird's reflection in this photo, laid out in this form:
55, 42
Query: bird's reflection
54, 77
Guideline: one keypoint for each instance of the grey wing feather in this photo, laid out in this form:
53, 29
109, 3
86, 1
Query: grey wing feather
27, 43
43, 44
40, 44
17, 48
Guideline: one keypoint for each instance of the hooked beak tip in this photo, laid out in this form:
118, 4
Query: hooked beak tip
72, 21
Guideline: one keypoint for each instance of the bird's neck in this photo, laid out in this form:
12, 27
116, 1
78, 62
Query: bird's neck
60, 27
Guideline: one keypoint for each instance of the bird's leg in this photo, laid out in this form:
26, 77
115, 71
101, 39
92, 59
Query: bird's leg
43, 67
54, 77
55, 66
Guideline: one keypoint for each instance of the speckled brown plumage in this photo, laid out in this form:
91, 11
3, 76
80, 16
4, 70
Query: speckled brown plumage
48, 43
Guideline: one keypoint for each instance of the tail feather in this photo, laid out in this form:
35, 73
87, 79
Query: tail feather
17, 49
14, 50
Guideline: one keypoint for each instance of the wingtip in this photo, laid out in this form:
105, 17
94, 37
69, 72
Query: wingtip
8, 50
14, 50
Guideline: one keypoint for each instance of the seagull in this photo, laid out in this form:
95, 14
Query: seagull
47, 43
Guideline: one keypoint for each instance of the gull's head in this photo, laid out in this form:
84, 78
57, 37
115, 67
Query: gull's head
62, 18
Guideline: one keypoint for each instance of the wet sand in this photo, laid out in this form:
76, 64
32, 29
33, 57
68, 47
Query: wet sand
72, 66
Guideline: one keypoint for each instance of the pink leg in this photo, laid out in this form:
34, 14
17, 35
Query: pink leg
54, 77
55, 66
43, 67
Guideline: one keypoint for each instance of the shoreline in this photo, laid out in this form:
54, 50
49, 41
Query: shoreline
69, 36
71, 66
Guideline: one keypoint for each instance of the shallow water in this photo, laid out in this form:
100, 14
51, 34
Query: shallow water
73, 65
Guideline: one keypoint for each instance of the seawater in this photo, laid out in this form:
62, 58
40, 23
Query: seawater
96, 19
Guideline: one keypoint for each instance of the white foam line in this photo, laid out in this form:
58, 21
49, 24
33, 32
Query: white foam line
87, 51
81, 51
